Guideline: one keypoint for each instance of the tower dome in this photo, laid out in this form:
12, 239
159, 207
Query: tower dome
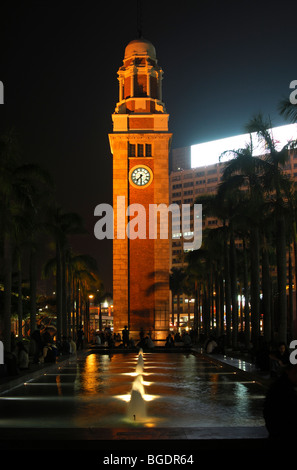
140, 47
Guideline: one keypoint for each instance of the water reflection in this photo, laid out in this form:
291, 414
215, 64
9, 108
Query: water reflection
176, 390
137, 398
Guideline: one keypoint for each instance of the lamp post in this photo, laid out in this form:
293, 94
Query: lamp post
90, 297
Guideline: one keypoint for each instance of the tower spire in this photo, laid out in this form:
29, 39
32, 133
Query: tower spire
139, 19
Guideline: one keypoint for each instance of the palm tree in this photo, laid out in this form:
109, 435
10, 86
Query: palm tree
176, 280
275, 184
82, 278
62, 225
245, 171
206, 271
288, 110
18, 183
223, 206
189, 291
194, 275
82, 272
292, 238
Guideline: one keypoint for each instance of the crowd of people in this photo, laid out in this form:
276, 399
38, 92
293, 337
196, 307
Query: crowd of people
106, 338
45, 349
112, 340
185, 339
38, 349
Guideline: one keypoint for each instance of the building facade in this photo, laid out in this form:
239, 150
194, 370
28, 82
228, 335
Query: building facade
140, 144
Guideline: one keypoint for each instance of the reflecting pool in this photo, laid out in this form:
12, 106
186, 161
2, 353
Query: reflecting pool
168, 390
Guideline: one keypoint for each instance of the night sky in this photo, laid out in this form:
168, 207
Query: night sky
223, 61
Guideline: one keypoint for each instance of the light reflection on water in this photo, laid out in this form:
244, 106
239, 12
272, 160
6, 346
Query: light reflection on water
187, 391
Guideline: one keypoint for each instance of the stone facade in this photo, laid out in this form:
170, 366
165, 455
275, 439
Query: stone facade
140, 138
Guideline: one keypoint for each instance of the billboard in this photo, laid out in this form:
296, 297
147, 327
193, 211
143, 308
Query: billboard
208, 153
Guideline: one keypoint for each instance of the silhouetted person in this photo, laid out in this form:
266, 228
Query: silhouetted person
169, 341
23, 356
80, 338
37, 338
65, 346
279, 359
186, 338
177, 337
72, 345
280, 407
125, 335
46, 337
49, 353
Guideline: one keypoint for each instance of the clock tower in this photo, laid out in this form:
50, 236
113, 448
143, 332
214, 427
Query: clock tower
140, 145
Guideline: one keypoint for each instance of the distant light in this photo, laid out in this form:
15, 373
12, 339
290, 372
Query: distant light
208, 153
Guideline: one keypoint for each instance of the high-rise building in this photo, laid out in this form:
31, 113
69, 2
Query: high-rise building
197, 170
140, 145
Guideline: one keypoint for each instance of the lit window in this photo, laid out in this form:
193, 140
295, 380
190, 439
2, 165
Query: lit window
148, 150
131, 150
140, 150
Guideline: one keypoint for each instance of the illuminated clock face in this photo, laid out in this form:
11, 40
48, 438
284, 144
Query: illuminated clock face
140, 176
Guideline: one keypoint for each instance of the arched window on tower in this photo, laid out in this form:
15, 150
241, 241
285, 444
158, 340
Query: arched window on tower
140, 85
154, 88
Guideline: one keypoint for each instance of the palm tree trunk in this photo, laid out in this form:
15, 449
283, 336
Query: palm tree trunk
189, 313
227, 293
100, 317
178, 311
282, 277
246, 298
73, 307
20, 300
64, 294
7, 293
172, 308
255, 286
200, 302
295, 274
69, 301
59, 290
266, 295
217, 303
234, 290
33, 289
290, 312
196, 312
221, 330
206, 310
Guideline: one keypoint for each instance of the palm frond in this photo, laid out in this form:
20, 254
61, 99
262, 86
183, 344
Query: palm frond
288, 110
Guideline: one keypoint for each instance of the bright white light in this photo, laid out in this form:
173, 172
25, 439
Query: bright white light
125, 398
208, 153
145, 396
